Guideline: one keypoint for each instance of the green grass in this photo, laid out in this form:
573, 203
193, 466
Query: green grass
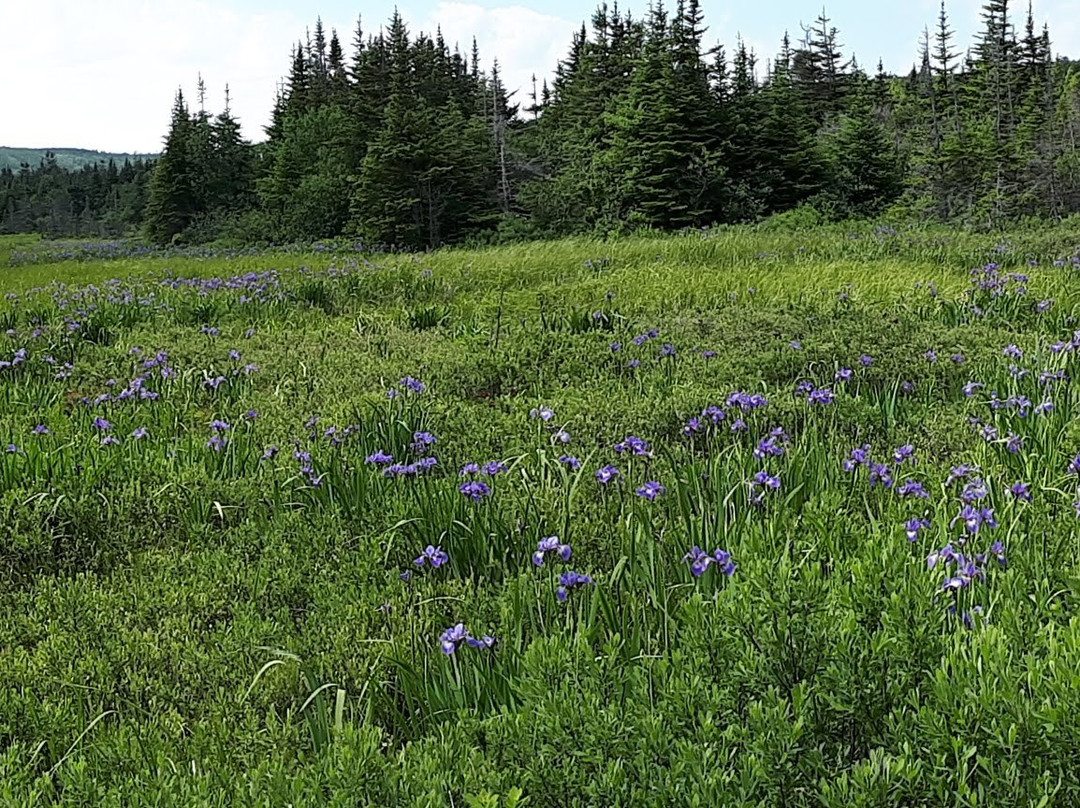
188, 625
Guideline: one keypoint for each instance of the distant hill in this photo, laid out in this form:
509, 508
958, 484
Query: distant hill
72, 159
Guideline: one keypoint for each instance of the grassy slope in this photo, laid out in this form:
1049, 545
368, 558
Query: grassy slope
72, 159
145, 592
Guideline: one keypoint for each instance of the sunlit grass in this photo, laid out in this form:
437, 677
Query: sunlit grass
210, 586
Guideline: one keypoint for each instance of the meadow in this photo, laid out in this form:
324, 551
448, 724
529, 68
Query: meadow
750, 516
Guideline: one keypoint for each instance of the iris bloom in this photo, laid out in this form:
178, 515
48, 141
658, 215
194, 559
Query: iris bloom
569, 581
1021, 491
551, 544
435, 556
912, 488
476, 491
913, 527
607, 474
651, 490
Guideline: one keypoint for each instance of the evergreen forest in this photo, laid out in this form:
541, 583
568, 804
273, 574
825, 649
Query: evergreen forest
399, 140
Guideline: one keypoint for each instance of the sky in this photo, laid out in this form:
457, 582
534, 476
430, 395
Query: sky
102, 74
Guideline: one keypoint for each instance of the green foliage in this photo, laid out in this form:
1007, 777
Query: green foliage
205, 173
104, 197
196, 622
408, 144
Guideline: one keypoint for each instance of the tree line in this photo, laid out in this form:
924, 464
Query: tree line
407, 142
98, 200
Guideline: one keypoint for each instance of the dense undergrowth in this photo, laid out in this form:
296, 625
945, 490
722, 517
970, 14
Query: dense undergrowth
805, 503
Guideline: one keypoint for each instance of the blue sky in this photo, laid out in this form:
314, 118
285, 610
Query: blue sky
104, 75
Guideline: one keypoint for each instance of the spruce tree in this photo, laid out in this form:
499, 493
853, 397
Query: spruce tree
172, 201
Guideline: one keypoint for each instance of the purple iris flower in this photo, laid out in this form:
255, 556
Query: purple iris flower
422, 441
903, 453
633, 445
700, 561
768, 447
569, 581
551, 544
435, 556
912, 488
476, 491
761, 484
881, 474
454, 636
651, 490
913, 527
607, 474
859, 457
714, 414
1021, 491
997, 549
544, 413
747, 401
974, 491
412, 385
1074, 465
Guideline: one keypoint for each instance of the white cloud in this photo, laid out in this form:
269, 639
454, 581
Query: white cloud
523, 40
103, 75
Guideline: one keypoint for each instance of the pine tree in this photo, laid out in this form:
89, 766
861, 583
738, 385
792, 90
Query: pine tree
234, 169
172, 202
864, 172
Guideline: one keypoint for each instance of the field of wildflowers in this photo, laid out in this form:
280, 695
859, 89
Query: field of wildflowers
730, 518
